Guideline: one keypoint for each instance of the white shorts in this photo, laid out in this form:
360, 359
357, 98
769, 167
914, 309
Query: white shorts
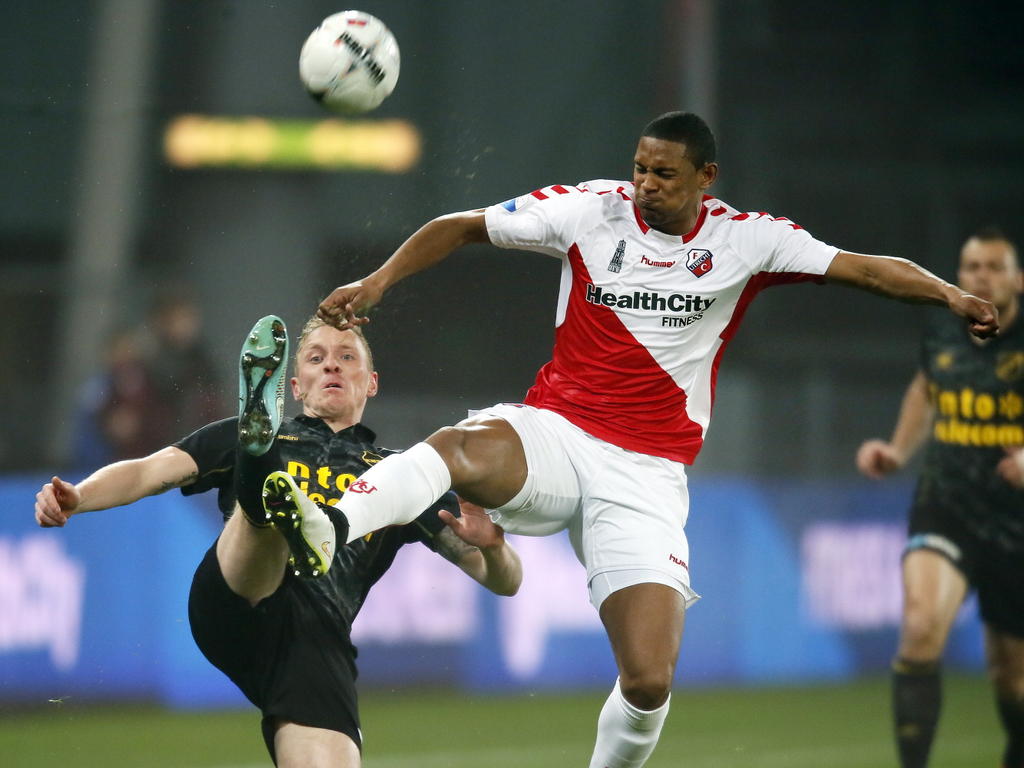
625, 511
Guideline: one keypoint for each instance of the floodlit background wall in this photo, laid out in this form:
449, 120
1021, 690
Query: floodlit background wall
893, 127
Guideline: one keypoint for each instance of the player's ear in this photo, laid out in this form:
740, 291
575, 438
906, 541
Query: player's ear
296, 392
708, 174
372, 389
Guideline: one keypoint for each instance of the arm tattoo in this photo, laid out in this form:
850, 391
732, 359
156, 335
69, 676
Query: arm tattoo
170, 484
451, 547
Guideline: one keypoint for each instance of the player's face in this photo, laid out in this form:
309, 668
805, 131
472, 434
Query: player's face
668, 188
988, 268
332, 378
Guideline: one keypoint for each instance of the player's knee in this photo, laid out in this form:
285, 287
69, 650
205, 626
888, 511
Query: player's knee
450, 444
922, 635
646, 690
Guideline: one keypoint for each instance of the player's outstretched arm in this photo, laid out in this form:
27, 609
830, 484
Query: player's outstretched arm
904, 280
877, 458
347, 305
478, 547
114, 485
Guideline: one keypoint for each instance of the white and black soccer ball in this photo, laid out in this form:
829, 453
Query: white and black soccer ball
350, 62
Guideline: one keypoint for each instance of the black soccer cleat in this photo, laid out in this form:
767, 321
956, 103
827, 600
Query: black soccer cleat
312, 530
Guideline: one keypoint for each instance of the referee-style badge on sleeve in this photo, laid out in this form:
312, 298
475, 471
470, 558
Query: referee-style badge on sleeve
517, 203
698, 261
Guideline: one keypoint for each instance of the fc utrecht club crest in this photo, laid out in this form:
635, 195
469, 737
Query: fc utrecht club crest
698, 261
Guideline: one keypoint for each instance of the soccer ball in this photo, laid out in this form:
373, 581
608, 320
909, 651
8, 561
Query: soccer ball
350, 62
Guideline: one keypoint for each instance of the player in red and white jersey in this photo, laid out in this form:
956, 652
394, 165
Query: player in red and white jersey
661, 306
655, 278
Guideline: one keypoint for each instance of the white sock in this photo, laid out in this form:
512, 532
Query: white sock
395, 491
626, 736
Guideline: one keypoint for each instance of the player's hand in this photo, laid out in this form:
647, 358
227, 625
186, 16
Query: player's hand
474, 527
347, 305
56, 502
981, 315
1011, 466
877, 458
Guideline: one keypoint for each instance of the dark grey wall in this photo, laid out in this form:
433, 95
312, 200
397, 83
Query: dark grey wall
894, 129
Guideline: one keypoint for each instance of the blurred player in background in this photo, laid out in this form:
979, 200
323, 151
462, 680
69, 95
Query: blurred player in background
655, 278
281, 636
967, 519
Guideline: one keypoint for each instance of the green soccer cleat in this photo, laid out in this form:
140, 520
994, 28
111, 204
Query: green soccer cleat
311, 531
262, 369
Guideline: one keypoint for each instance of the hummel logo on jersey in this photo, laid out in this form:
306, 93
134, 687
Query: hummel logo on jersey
698, 261
615, 265
651, 263
652, 300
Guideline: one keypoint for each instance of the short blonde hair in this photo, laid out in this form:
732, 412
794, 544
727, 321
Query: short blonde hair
317, 322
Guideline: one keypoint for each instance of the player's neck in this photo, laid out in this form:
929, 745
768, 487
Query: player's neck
681, 226
336, 422
1008, 314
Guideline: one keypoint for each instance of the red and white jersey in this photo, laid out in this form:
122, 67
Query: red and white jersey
643, 317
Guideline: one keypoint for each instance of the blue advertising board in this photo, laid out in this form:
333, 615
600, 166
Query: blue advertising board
800, 581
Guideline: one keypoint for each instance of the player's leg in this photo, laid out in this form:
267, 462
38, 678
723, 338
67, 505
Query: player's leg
1000, 583
482, 458
933, 590
252, 560
631, 537
1005, 656
645, 626
290, 657
252, 555
300, 746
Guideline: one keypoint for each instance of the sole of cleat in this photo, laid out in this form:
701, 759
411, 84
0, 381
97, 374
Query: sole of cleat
262, 370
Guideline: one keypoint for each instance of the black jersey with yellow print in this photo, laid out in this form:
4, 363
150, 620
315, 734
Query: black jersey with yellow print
977, 391
325, 464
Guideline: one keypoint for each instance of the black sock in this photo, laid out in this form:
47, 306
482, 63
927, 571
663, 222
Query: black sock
1011, 712
916, 703
250, 472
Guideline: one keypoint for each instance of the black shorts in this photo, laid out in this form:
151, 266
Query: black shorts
996, 573
281, 653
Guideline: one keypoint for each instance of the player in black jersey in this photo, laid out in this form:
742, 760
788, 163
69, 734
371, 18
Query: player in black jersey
284, 639
967, 519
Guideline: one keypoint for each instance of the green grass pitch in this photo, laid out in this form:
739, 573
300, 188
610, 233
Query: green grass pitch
787, 727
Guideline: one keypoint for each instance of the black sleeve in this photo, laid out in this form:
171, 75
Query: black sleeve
213, 449
426, 527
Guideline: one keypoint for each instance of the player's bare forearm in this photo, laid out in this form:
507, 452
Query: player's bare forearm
127, 481
890, 276
430, 244
495, 565
917, 413
503, 571
906, 281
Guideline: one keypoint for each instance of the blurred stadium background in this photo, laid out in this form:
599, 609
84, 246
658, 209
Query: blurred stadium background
165, 147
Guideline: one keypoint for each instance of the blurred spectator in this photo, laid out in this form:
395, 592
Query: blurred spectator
157, 384
115, 404
180, 369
